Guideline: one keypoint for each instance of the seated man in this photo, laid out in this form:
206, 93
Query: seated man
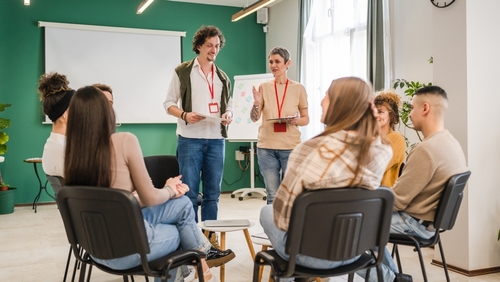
429, 166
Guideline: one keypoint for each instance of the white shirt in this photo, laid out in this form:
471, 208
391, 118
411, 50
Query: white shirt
200, 97
53, 155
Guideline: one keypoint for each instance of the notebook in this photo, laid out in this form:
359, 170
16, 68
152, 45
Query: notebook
227, 223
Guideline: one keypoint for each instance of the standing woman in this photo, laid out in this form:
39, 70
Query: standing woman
55, 94
117, 162
286, 100
388, 104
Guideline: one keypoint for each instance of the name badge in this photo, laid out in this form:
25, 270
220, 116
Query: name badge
213, 107
280, 127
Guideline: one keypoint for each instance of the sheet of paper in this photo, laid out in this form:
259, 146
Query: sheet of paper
211, 118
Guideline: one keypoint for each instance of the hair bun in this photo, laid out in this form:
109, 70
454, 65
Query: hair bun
52, 83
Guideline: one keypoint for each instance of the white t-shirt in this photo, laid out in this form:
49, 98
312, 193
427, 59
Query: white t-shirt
53, 155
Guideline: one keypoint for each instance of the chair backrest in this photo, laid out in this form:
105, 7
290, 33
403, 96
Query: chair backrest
56, 182
107, 223
161, 168
339, 224
451, 199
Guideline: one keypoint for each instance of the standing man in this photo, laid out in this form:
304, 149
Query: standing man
198, 89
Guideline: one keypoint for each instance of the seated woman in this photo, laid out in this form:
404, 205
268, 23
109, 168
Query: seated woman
116, 161
349, 153
388, 104
55, 94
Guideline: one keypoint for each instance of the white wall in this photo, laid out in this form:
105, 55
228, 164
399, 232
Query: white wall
483, 131
283, 31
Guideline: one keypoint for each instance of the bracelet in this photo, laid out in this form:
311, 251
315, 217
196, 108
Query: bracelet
183, 115
256, 106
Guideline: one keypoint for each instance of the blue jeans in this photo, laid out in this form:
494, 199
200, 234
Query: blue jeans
272, 165
168, 226
278, 240
401, 223
202, 159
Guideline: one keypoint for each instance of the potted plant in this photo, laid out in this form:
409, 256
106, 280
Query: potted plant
6, 193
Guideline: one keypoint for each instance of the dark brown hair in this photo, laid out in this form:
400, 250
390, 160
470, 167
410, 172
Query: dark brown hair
52, 87
206, 32
103, 87
350, 109
91, 121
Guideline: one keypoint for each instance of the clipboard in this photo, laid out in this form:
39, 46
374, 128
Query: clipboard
211, 118
283, 119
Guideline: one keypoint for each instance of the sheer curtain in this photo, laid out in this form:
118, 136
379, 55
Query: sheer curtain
334, 44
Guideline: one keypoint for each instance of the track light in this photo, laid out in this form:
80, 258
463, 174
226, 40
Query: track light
144, 4
27, 2
250, 9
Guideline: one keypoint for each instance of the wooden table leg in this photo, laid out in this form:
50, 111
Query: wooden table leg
261, 268
249, 243
223, 247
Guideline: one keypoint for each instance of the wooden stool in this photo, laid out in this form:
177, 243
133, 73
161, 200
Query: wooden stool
223, 231
265, 245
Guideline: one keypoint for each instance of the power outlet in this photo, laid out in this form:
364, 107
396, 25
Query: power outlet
238, 155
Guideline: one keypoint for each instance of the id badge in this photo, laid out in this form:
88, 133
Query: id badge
280, 127
213, 107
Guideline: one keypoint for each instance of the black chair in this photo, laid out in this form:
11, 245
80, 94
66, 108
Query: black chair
446, 214
337, 225
57, 183
107, 223
161, 168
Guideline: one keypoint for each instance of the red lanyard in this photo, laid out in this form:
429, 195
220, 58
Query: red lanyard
282, 99
210, 88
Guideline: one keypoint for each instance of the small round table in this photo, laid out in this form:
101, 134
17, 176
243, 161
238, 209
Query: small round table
223, 231
35, 161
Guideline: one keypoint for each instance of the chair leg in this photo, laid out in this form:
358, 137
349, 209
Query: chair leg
90, 273
421, 258
67, 264
444, 260
395, 250
261, 268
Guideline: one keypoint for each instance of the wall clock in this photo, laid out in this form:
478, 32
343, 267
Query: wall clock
442, 3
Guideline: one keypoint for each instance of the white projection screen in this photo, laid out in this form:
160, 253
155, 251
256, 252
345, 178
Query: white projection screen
137, 63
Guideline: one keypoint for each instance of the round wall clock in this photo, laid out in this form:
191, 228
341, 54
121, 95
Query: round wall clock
442, 3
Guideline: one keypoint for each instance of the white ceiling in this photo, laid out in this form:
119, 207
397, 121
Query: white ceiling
234, 3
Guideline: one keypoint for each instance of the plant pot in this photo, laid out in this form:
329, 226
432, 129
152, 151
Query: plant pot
7, 199
4, 188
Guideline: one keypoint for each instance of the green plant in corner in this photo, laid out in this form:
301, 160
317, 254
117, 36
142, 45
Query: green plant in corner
4, 123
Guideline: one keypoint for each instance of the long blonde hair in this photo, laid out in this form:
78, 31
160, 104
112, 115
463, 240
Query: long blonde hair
350, 109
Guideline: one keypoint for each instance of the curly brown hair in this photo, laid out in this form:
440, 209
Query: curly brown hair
52, 87
392, 102
206, 32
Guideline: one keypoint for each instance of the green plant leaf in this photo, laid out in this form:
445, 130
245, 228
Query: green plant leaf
3, 149
3, 138
3, 106
4, 123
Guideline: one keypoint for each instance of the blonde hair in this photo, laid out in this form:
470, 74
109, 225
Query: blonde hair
350, 109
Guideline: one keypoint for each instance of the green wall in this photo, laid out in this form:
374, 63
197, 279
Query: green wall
22, 63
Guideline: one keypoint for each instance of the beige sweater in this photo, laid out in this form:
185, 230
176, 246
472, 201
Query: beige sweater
428, 168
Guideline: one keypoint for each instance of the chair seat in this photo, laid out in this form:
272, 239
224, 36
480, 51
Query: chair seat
402, 239
280, 265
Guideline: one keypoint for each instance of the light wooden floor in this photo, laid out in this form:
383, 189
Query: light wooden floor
34, 247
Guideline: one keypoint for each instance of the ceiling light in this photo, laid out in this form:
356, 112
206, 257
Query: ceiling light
144, 4
26, 2
250, 9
